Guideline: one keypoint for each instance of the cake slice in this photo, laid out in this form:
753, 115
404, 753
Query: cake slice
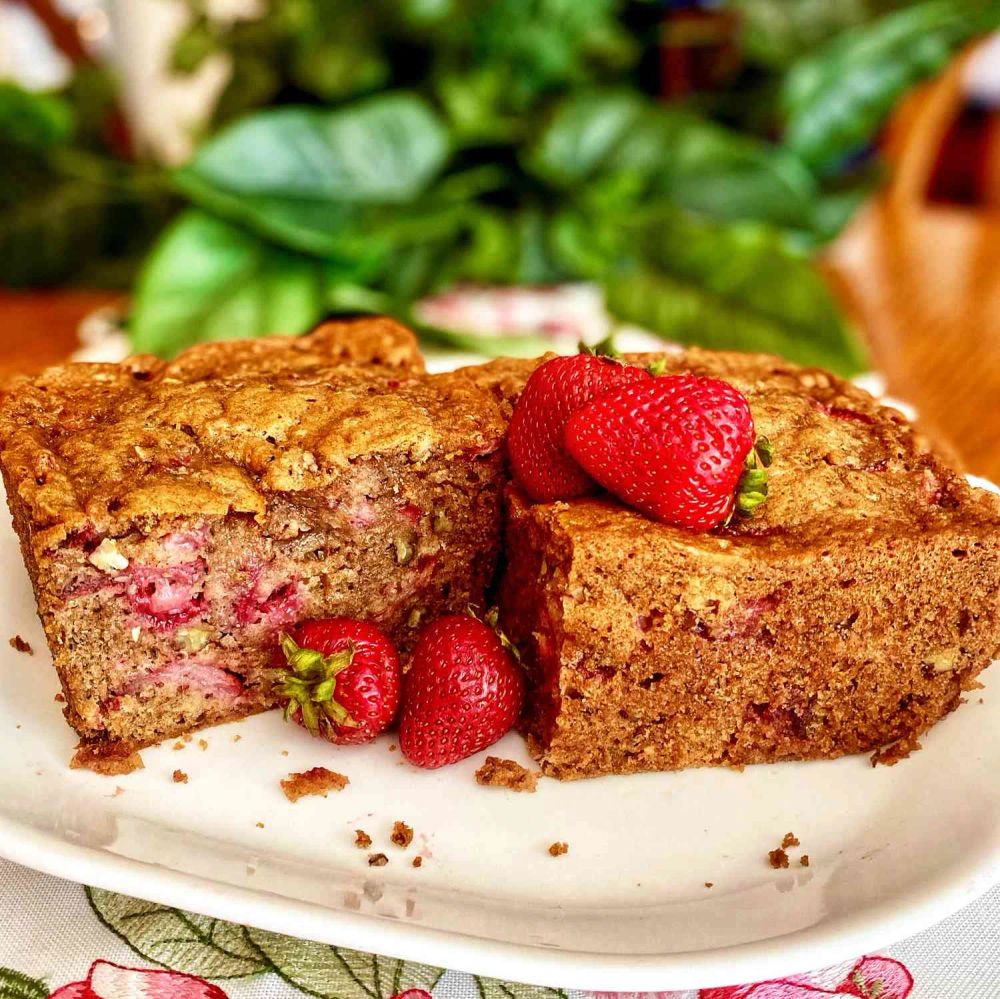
848, 615
175, 517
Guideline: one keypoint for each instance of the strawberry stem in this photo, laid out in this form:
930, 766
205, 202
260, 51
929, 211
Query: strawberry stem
751, 492
311, 683
603, 348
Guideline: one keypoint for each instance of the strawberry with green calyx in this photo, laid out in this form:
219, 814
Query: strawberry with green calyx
341, 679
672, 446
462, 693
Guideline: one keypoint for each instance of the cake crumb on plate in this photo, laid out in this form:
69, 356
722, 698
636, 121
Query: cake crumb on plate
106, 764
558, 849
318, 781
60, 698
21, 645
361, 839
377, 860
260, 825
402, 835
790, 839
804, 860
418, 861
180, 777
203, 744
778, 859
497, 772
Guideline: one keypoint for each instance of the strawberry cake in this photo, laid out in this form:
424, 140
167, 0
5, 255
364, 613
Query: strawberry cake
710, 558
176, 517
849, 613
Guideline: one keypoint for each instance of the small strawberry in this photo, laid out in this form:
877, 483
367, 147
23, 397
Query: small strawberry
553, 393
674, 447
463, 691
342, 679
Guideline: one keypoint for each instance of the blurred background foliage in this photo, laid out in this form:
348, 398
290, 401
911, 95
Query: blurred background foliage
367, 153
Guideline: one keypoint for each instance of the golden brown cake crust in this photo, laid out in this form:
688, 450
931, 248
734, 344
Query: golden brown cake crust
377, 341
842, 460
107, 446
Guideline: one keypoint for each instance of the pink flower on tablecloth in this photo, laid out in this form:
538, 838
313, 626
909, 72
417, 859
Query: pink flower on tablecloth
111, 981
870, 978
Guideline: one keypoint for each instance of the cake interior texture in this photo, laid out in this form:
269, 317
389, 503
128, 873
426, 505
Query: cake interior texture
176, 516
174, 521
851, 614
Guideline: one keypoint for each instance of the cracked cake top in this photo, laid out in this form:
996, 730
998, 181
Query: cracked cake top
220, 429
842, 460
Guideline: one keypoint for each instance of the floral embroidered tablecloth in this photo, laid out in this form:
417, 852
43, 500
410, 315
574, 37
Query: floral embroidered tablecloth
65, 941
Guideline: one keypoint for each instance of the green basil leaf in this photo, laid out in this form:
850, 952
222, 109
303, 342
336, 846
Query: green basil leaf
302, 176
735, 287
673, 152
208, 280
837, 98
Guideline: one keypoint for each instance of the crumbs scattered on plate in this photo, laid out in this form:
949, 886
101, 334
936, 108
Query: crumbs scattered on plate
317, 781
778, 859
558, 849
377, 860
402, 835
497, 772
21, 645
180, 777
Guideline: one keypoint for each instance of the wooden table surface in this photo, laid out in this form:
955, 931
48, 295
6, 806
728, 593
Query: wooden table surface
924, 289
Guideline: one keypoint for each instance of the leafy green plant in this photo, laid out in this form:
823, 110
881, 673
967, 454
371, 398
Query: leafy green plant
367, 154
68, 208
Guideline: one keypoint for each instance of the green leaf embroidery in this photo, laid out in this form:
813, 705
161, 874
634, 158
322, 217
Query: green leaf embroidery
490, 988
338, 973
303, 175
14, 985
208, 280
181, 941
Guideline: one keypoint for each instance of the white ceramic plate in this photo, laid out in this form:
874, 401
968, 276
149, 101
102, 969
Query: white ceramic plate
892, 850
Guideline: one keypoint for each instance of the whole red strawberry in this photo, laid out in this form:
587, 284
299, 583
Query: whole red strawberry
674, 447
463, 691
553, 393
342, 679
